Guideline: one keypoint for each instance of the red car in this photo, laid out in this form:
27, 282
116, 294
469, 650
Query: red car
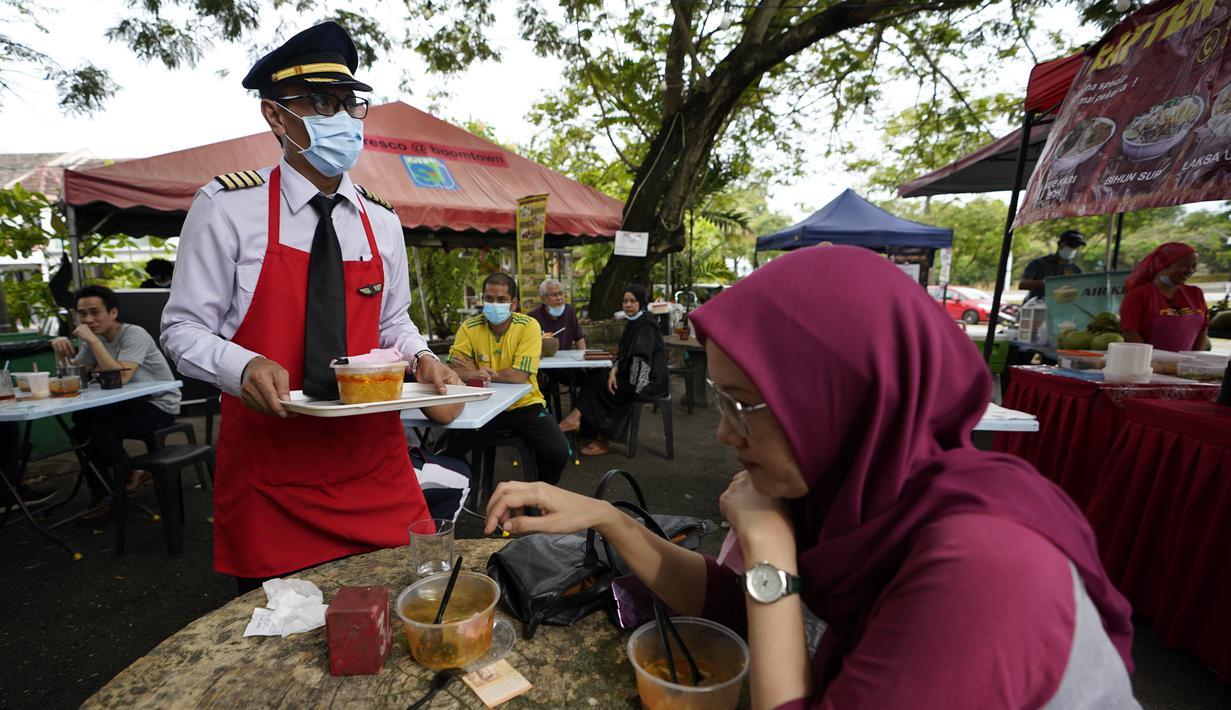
970, 304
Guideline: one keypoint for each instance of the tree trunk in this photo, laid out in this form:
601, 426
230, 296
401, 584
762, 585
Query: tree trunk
6, 325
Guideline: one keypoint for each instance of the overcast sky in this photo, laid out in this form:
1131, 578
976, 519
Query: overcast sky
158, 110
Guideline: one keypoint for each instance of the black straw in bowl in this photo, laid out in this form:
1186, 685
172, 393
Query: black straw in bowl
444, 601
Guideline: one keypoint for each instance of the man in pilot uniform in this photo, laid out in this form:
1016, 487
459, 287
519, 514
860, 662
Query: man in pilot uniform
281, 270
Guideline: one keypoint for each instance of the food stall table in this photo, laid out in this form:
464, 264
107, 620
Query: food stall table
1079, 418
209, 663
550, 386
1162, 515
28, 411
697, 364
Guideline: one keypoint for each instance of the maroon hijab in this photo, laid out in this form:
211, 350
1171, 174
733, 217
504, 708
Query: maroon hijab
878, 392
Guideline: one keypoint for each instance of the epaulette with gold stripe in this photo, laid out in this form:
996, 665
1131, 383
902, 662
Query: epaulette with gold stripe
240, 180
373, 197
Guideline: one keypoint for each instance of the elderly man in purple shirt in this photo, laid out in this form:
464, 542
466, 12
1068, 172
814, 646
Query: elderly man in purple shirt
557, 317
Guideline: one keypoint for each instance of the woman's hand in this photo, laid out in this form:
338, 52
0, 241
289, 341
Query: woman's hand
611, 381
560, 511
754, 517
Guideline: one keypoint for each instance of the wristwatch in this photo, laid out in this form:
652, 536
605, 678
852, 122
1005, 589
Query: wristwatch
767, 584
414, 362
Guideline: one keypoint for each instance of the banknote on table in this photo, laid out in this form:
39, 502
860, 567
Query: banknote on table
497, 683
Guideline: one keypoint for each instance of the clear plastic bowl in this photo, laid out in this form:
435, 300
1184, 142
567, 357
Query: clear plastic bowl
721, 655
466, 634
1165, 362
360, 384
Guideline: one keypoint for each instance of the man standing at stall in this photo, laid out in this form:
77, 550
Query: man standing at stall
1062, 263
281, 270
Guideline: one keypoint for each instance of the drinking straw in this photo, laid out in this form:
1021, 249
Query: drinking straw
444, 601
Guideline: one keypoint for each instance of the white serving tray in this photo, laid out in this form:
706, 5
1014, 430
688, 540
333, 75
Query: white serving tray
414, 396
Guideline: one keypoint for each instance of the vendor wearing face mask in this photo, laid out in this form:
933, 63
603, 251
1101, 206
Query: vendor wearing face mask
1059, 264
281, 270
503, 345
1160, 308
556, 316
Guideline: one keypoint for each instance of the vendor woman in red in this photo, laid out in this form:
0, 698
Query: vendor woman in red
1160, 308
281, 270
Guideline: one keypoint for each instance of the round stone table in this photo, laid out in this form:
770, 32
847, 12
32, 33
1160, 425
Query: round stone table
209, 663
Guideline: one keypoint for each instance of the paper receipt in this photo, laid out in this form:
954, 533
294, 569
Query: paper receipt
497, 683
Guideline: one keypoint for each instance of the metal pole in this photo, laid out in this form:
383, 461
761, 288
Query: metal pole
1115, 255
1006, 245
692, 279
427, 319
75, 244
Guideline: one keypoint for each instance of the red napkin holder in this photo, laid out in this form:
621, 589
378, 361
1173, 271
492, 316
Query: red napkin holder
358, 630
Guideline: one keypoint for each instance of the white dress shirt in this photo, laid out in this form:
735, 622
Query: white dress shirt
221, 250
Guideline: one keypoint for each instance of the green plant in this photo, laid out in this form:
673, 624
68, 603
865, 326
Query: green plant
446, 274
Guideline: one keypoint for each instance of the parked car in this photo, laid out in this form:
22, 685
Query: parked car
970, 304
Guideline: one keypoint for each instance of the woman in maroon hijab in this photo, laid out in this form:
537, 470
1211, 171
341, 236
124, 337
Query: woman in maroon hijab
1160, 307
891, 564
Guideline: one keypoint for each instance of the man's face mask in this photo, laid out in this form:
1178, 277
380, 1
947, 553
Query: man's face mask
334, 141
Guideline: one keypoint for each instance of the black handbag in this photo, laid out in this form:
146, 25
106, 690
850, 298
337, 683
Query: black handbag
558, 579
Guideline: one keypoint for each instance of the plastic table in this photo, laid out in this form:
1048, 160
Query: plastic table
29, 410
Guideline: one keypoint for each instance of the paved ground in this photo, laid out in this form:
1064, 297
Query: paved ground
73, 625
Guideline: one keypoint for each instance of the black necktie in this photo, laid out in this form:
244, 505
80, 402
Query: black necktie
324, 335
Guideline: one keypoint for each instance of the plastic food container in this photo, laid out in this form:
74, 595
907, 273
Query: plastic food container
466, 634
65, 386
1165, 362
721, 656
378, 382
1202, 371
1081, 359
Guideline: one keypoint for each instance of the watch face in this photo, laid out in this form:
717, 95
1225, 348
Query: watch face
764, 583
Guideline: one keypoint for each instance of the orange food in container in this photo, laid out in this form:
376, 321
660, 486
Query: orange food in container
363, 383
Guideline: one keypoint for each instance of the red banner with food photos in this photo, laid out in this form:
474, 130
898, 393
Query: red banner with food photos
1147, 121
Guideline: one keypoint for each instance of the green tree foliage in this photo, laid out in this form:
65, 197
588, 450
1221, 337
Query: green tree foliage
446, 276
689, 95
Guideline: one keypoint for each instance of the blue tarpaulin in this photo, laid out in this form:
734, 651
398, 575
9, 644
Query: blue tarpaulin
850, 219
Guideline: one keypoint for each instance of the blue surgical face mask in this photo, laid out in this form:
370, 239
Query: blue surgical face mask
336, 141
1067, 253
497, 313
634, 317
555, 311
1165, 280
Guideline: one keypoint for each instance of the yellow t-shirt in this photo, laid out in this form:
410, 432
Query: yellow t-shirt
519, 348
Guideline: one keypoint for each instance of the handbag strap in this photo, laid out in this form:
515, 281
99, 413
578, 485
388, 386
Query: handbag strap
591, 556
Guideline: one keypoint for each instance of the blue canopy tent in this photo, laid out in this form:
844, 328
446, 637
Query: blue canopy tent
850, 219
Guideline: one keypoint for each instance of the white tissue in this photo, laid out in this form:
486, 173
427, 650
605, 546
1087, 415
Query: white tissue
293, 606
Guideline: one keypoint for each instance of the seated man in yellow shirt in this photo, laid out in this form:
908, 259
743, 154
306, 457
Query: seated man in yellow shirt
504, 346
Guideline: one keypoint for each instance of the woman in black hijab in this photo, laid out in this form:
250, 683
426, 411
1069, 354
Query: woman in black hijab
604, 409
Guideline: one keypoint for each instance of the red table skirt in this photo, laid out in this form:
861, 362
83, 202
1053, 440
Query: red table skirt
1078, 423
1162, 515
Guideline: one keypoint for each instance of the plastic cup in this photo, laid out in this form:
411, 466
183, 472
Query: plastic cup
466, 634
431, 546
360, 384
721, 655
6, 387
39, 383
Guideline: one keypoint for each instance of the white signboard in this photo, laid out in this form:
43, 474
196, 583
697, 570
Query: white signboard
632, 243
946, 260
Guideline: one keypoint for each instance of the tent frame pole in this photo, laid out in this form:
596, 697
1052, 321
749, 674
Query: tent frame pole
1115, 255
74, 244
427, 319
1006, 245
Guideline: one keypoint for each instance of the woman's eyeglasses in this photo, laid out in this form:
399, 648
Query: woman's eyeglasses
328, 104
734, 410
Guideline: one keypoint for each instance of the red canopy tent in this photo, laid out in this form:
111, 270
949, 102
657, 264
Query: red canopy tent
446, 184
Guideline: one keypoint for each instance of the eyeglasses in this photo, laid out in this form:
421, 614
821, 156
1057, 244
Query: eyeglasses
328, 104
734, 410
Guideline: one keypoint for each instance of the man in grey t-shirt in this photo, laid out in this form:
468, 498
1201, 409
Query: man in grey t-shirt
108, 344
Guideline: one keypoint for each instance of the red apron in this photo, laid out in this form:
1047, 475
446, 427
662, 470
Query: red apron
292, 493
1174, 332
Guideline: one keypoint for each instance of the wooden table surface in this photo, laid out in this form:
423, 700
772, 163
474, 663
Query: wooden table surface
209, 663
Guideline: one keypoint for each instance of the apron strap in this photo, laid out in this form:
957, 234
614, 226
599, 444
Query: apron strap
275, 211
